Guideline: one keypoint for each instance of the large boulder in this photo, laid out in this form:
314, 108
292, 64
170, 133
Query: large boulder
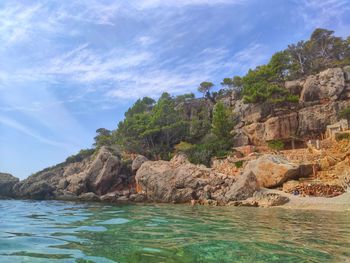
328, 84
7, 182
98, 174
137, 162
180, 181
273, 170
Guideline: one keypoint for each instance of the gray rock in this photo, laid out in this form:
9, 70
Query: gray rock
90, 197
265, 199
179, 181
243, 188
346, 70
240, 139
7, 182
99, 173
137, 162
328, 84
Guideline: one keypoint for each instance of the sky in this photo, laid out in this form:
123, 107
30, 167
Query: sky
68, 68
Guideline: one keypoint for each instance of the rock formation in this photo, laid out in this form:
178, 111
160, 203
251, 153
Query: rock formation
273, 170
322, 97
7, 183
179, 181
98, 174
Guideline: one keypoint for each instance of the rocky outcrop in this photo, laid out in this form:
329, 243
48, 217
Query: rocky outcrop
327, 85
7, 182
137, 162
97, 174
313, 120
179, 181
263, 198
273, 170
321, 98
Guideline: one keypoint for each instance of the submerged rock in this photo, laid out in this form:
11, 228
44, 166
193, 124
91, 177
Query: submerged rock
89, 197
263, 199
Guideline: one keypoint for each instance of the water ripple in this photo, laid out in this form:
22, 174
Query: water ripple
52, 231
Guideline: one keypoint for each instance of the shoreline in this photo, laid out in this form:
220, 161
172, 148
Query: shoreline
339, 203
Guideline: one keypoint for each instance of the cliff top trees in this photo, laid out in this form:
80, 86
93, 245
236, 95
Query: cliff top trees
205, 88
321, 51
103, 138
152, 131
233, 84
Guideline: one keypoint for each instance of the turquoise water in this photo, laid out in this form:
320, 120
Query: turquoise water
51, 231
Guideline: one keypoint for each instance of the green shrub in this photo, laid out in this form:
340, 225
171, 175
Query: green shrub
183, 147
276, 145
84, 153
210, 147
239, 164
200, 154
342, 136
345, 114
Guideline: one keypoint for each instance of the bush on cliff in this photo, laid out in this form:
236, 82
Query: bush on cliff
265, 83
84, 153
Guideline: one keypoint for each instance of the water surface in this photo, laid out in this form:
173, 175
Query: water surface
52, 231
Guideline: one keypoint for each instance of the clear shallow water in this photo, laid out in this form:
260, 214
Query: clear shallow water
51, 231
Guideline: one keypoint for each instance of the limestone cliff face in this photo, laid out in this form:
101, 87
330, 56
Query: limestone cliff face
321, 98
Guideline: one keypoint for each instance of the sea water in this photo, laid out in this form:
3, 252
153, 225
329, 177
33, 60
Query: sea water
53, 231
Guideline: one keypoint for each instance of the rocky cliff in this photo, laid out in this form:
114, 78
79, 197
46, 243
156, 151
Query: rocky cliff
321, 98
7, 182
106, 176
98, 174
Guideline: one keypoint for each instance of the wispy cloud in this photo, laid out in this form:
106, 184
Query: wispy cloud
87, 65
250, 57
326, 14
27, 131
16, 21
183, 3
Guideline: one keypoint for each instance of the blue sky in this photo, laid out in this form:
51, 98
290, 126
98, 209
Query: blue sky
70, 67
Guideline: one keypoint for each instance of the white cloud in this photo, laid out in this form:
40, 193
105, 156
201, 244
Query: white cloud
249, 58
326, 14
15, 22
86, 65
92, 11
182, 3
145, 40
26, 130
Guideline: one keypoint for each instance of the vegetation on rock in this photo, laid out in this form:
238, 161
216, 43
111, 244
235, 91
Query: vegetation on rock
203, 128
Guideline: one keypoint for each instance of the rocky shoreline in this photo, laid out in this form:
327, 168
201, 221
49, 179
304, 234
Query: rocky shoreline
316, 164
106, 177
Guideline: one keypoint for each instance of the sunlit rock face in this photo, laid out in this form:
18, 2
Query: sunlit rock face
321, 98
180, 181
